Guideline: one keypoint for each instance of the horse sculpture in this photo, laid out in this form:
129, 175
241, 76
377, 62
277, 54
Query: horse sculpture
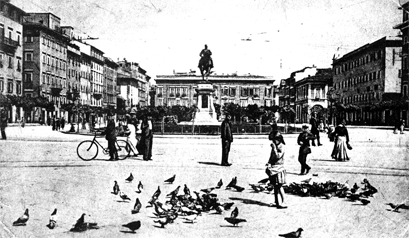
205, 66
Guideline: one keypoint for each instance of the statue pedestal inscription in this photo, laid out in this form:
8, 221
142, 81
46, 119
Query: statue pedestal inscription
205, 114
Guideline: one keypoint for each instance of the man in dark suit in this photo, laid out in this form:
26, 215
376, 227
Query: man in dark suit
314, 129
147, 138
3, 124
110, 136
227, 139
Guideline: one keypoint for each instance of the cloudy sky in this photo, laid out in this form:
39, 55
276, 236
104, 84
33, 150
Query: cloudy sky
261, 37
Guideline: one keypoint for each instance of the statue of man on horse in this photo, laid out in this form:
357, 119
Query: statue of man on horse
205, 62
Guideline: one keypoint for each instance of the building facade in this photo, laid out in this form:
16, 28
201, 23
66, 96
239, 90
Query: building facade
404, 28
11, 54
45, 62
311, 87
363, 76
110, 83
180, 89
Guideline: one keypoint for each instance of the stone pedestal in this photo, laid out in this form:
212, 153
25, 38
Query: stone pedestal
205, 114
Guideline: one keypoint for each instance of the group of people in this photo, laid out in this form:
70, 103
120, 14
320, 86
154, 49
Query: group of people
139, 133
399, 126
56, 123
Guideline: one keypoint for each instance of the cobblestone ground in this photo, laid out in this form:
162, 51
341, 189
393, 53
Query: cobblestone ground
43, 172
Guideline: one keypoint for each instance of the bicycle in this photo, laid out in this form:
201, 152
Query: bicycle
88, 149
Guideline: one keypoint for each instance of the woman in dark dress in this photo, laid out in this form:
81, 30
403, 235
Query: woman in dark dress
339, 153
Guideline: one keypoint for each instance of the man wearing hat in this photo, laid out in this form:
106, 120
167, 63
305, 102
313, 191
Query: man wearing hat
227, 139
304, 141
110, 136
314, 129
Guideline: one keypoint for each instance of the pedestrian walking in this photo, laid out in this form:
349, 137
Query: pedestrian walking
147, 138
3, 124
110, 136
54, 123
304, 141
402, 126
57, 123
23, 122
339, 152
275, 169
62, 123
227, 139
396, 125
48, 121
314, 129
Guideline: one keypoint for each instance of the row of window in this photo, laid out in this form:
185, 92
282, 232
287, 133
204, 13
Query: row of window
48, 60
370, 57
352, 81
9, 12
10, 62
10, 34
10, 87
54, 45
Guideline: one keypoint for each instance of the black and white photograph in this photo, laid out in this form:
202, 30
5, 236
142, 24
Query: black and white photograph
219, 118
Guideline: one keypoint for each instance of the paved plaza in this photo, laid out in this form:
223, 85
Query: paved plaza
39, 170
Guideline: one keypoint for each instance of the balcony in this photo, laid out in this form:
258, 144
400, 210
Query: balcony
97, 95
8, 45
56, 89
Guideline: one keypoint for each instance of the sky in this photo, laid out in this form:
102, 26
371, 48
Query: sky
258, 37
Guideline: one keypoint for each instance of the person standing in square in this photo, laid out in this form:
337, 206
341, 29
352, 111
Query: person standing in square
314, 129
304, 141
3, 124
147, 138
227, 139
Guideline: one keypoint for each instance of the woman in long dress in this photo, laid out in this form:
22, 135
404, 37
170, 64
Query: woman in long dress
339, 153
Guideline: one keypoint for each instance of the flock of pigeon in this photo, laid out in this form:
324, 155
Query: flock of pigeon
189, 207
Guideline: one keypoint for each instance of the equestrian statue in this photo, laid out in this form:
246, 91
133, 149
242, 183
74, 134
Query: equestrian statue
205, 63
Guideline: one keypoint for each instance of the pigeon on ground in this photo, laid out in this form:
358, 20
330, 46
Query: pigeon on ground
232, 183
157, 193
171, 179
174, 192
137, 206
365, 201
191, 218
234, 213
306, 180
219, 184
396, 207
165, 222
207, 190
80, 225
186, 190
140, 187
21, 221
135, 225
53, 220
238, 188
264, 180
294, 234
235, 221
130, 178
227, 205
257, 188
354, 188
124, 196
116, 188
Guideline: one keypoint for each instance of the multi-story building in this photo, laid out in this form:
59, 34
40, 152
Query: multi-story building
180, 89
110, 80
404, 28
11, 54
311, 87
363, 76
286, 98
133, 83
45, 61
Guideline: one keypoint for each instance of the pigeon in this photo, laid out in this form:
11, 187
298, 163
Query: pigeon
135, 225
137, 206
257, 188
171, 179
21, 221
232, 183
174, 192
264, 180
130, 178
157, 193
186, 190
306, 180
227, 205
165, 222
124, 196
207, 190
116, 188
234, 221
238, 188
81, 225
140, 186
365, 201
234, 213
53, 220
294, 234
396, 207
354, 188
219, 184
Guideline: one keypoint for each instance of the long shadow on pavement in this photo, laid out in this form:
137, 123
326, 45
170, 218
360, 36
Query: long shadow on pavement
249, 201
